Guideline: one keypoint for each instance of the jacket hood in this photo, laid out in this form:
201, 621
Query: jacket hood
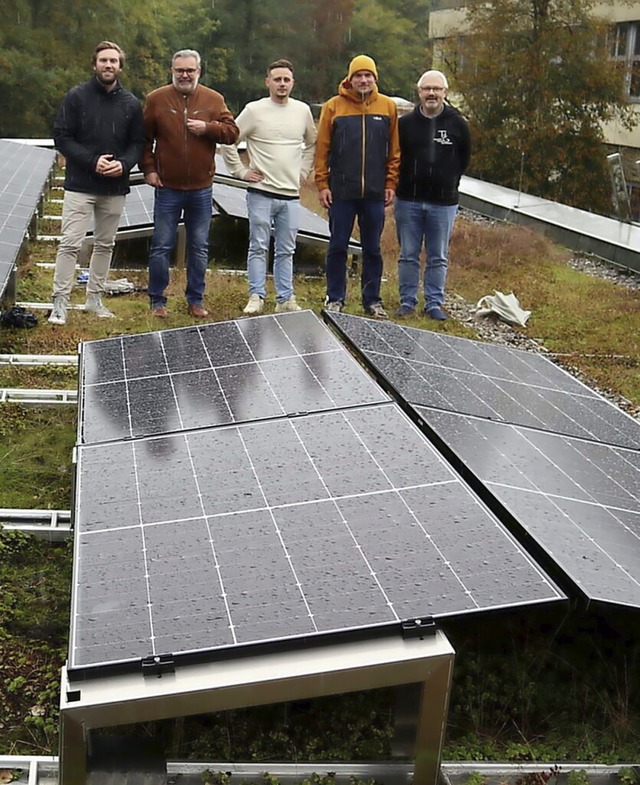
347, 91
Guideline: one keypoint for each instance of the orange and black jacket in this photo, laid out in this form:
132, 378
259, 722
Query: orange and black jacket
184, 161
357, 151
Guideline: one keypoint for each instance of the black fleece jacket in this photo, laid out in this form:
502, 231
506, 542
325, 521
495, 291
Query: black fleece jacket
92, 122
434, 154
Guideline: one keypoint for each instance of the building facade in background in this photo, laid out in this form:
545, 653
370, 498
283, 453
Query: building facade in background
448, 26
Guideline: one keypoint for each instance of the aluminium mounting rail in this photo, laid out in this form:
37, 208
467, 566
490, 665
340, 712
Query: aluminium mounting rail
38, 397
51, 525
39, 359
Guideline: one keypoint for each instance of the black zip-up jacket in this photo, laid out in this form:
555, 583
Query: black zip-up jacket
434, 154
92, 122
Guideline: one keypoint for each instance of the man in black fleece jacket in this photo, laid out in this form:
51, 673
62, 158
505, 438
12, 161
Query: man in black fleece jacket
435, 147
99, 131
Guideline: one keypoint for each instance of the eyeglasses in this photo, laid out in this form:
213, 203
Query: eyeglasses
429, 89
187, 71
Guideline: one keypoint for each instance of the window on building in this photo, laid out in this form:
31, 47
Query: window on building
625, 47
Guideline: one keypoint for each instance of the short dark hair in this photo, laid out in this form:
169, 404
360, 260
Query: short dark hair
281, 63
107, 45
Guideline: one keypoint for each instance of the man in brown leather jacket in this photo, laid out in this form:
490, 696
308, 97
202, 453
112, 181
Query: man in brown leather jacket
183, 123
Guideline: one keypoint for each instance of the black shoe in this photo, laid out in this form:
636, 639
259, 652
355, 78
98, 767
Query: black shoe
436, 313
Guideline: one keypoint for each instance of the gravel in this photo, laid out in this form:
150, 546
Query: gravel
492, 329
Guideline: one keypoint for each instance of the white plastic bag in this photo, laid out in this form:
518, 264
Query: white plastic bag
505, 306
119, 286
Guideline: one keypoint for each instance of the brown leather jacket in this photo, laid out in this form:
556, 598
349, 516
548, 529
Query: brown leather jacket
182, 160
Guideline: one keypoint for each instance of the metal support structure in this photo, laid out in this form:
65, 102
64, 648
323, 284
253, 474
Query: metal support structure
49, 306
50, 525
38, 397
103, 700
29, 360
43, 770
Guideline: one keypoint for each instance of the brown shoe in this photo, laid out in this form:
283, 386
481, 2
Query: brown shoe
198, 311
159, 311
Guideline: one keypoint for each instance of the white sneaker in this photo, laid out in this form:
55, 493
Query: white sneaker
94, 305
288, 305
254, 305
377, 310
59, 312
333, 306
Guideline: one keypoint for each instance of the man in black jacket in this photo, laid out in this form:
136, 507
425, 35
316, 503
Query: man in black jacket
99, 131
435, 147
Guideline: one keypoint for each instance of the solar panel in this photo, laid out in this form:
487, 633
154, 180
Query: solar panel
232, 200
137, 212
565, 471
322, 510
138, 207
277, 530
24, 171
211, 374
579, 500
486, 380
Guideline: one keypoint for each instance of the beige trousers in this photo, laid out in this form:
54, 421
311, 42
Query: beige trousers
77, 211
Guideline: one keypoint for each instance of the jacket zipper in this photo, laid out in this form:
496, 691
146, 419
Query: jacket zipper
185, 115
363, 150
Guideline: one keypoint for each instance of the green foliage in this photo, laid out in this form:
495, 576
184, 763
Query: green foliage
35, 456
577, 777
537, 110
215, 777
46, 48
628, 776
377, 27
475, 778
34, 620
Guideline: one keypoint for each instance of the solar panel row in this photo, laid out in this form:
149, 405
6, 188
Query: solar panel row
292, 502
24, 171
561, 460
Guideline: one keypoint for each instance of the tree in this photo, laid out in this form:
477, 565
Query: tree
537, 84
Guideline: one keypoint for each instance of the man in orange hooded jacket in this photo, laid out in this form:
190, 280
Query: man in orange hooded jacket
356, 165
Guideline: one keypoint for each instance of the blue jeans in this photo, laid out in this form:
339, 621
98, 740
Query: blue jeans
342, 214
418, 222
283, 215
169, 205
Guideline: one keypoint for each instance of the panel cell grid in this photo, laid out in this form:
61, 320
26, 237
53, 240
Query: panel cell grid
282, 529
579, 500
212, 374
24, 171
485, 380
563, 462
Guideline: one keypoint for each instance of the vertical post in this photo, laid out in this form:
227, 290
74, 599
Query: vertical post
432, 721
73, 752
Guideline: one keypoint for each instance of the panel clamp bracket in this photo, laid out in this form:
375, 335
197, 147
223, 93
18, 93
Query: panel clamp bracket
420, 627
158, 665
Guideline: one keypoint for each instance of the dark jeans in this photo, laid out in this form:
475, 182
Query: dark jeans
169, 205
342, 215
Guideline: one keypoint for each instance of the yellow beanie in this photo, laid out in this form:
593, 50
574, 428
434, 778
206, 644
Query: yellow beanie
362, 63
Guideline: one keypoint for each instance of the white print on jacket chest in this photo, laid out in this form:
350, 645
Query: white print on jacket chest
442, 138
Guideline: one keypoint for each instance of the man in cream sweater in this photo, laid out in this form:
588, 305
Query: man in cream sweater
280, 136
